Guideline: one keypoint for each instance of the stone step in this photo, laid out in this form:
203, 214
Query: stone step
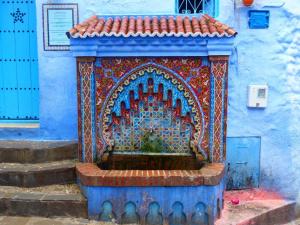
36, 151
39, 174
258, 212
32, 202
294, 222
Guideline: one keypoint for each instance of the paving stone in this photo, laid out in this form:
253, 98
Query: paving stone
62, 197
14, 220
28, 196
2, 194
9, 195
47, 222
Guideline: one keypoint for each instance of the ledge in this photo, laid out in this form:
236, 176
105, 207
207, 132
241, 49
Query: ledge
91, 175
151, 46
20, 125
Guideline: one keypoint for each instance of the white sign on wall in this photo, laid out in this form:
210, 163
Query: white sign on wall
57, 20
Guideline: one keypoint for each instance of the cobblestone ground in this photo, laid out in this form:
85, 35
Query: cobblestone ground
9, 220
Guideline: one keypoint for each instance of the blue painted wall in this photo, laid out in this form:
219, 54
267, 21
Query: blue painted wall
270, 56
189, 197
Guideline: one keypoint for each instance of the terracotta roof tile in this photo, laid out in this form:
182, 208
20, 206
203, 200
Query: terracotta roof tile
147, 24
152, 26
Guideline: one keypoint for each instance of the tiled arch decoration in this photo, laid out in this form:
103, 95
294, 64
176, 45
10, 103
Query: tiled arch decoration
206, 78
159, 75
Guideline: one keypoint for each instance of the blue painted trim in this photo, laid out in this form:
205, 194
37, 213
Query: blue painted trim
217, 8
205, 61
151, 46
222, 120
93, 112
19, 121
212, 113
176, 7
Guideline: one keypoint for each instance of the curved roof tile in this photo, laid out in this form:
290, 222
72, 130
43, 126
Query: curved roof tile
179, 26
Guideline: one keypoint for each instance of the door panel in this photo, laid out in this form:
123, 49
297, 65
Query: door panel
18, 61
243, 162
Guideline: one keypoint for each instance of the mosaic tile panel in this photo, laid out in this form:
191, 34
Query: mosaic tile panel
218, 119
161, 110
190, 72
190, 76
85, 68
219, 69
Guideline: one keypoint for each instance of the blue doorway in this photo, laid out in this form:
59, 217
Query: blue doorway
19, 89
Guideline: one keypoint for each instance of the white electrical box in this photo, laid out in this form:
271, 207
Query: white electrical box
257, 96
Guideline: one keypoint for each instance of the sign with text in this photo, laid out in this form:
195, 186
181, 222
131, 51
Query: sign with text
58, 19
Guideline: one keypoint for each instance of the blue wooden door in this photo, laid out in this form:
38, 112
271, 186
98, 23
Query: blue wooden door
19, 90
243, 162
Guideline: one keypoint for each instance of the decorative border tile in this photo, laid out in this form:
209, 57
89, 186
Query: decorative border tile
219, 71
86, 134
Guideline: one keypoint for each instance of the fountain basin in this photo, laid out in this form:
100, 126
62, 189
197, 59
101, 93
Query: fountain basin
151, 161
195, 195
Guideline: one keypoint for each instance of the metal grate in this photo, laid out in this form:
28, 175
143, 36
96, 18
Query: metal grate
197, 6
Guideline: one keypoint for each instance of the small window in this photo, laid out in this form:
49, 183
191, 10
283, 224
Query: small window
261, 93
197, 6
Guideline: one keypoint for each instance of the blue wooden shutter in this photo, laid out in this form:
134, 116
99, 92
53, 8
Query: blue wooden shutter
19, 90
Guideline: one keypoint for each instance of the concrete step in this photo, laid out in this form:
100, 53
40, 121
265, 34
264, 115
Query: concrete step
256, 206
39, 174
32, 202
294, 222
36, 151
258, 212
36, 220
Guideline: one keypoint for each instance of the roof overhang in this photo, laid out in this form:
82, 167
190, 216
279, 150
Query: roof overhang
151, 46
151, 36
